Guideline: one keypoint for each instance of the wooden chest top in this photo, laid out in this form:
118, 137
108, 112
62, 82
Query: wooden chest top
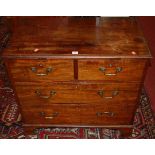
76, 37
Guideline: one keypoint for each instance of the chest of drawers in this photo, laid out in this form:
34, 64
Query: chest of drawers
77, 71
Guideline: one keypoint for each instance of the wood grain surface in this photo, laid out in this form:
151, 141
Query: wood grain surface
96, 36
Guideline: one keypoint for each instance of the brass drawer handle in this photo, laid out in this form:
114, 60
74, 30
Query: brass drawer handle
54, 114
117, 70
52, 93
107, 113
47, 71
114, 93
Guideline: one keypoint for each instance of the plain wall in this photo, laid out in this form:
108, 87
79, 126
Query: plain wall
148, 26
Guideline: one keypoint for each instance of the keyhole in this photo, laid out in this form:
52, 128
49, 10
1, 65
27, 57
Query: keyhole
110, 65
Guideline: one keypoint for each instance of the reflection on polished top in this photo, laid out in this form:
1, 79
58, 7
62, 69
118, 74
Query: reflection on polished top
76, 37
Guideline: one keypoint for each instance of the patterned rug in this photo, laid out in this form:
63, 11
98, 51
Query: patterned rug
144, 124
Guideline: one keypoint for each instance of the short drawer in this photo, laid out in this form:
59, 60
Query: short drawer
41, 70
87, 93
111, 69
55, 114
106, 115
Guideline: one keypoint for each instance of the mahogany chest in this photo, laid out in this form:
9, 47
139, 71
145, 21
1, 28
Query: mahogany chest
77, 71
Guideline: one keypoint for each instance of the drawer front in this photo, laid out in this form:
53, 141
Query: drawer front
41, 70
81, 114
103, 94
55, 114
106, 115
111, 70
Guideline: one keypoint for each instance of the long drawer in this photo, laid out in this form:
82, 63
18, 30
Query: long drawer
81, 114
111, 70
112, 93
41, 70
